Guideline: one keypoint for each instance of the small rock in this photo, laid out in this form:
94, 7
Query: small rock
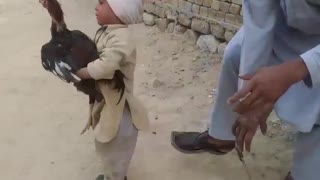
253, 155
160, 11
275, 125
234, 19
224, 7
184, 20
156, 83
217, 30
195, 76
237, 2
150, 7
207, 3
214, 91
218, 15
187, 6
215, 5
235, 9
208, 43
179, 29
191, 35
156, 118
228, 35
202, 44
195, 8
198, 2
172, 15
200, 26
192, 97
154, 133
221, 49
148, 19
162, 23
170, 28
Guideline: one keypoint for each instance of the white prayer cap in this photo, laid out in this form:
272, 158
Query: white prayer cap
128, 11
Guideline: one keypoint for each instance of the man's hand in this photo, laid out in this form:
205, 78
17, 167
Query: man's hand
247, 124
256, 100
268, 85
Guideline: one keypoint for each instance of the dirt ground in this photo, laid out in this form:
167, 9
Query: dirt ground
41, 116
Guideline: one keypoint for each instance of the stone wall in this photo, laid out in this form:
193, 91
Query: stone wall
200, 20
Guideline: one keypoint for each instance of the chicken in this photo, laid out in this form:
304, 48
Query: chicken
68, 51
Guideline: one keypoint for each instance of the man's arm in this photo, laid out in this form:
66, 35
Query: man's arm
260, 18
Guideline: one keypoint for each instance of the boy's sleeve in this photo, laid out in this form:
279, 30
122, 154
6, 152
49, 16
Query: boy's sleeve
118, 48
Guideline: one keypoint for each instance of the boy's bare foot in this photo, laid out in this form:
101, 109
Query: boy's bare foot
195, 142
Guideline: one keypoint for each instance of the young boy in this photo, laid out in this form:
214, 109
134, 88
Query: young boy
117, 128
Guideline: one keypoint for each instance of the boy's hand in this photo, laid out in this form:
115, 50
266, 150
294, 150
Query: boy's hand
83, 73
63, 71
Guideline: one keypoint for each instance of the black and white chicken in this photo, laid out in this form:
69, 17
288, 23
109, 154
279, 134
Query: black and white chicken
68, 51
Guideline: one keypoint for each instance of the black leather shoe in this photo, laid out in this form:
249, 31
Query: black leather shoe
195, 142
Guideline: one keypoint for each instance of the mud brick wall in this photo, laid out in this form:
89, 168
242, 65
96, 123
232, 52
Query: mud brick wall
219, 18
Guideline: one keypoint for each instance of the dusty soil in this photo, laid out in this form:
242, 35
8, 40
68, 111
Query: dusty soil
41, 116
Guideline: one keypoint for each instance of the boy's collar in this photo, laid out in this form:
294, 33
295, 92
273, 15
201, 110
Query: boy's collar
112, 27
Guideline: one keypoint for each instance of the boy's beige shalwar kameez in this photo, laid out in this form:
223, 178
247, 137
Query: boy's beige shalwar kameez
116, 126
